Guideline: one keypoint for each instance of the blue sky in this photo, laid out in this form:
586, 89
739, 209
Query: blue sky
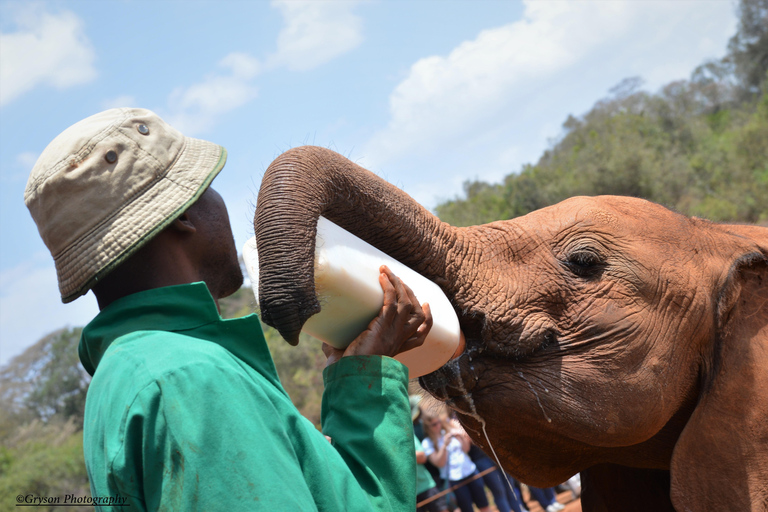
425, 93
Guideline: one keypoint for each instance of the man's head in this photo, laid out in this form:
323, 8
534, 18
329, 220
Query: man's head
104, 191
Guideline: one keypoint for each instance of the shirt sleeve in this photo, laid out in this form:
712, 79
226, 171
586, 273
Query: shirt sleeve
366, 413
222, 449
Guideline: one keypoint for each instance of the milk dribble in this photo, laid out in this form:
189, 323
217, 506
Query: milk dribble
347, 285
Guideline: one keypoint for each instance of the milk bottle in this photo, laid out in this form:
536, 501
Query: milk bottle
347, 285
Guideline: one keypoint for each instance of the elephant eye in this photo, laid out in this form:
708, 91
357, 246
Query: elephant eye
585, 263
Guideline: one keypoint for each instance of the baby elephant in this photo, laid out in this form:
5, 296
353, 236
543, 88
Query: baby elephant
604, 335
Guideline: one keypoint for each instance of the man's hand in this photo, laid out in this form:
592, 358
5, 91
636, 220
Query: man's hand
402, 324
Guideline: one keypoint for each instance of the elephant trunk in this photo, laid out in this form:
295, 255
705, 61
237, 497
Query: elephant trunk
306, 182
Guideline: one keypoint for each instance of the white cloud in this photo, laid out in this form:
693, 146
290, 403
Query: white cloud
30, 306
195, 108
125, 100
46, 49
315, 32
27, 159
242, 65
19, 172
557, 57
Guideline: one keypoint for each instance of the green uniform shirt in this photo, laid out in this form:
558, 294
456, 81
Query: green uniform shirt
185, 411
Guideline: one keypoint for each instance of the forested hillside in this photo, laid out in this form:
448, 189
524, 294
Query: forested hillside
698, 146
42, 398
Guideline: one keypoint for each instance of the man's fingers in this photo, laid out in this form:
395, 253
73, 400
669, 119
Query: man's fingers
402, 323
405, 305
421, 330
417, 312
420, 320
426, 325
411, 296
390, 295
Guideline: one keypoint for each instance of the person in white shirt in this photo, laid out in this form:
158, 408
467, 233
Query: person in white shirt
447, 446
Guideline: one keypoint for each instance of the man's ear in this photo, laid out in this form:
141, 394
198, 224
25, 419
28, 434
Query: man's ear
183, 224
720, 461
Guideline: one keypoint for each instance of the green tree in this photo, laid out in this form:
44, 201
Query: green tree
46, 380
679, 147
748, 48
43, 459
698, 146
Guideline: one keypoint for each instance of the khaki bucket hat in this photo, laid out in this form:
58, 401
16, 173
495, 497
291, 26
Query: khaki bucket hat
108, 184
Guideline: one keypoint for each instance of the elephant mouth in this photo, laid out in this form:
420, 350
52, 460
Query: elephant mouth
455, 381
485, 364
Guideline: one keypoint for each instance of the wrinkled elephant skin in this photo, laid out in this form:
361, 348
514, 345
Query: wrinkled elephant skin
607, 335
616, 331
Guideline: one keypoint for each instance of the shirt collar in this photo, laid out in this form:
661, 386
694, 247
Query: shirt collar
189, 308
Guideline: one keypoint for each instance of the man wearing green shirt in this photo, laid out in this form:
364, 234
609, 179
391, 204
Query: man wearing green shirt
185, 410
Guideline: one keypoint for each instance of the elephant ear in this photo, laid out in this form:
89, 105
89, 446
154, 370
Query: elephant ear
720, 461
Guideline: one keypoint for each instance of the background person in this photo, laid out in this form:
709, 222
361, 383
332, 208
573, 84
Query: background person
547, 498
425, 484
447, 447
503, 497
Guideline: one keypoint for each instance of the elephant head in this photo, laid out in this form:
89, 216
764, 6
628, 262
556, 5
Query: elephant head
607, 335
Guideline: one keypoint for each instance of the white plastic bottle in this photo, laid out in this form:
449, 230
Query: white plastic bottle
347, 284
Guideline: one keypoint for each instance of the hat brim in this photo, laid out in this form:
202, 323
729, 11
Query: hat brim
119, 236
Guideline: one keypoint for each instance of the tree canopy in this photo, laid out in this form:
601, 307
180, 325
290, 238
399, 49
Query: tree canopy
698, 146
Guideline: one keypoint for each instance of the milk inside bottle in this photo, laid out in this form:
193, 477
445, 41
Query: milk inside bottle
347, 285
